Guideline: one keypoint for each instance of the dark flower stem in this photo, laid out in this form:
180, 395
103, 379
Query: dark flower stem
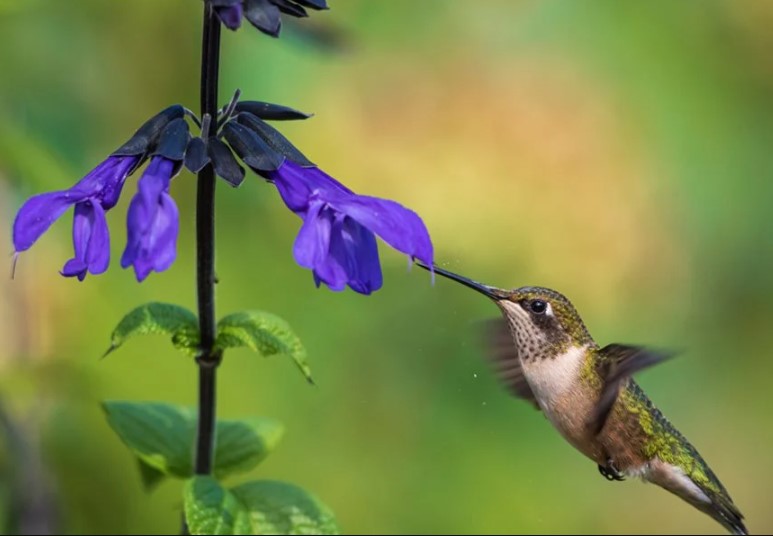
209, 358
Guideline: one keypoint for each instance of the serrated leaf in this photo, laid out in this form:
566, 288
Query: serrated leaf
259, 507
159, 318
162, 437
263, 333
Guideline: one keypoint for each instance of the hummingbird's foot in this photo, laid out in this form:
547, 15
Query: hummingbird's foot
610, 472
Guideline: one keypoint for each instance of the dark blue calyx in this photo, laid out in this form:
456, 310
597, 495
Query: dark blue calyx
288, 8
270, 112
273, 138
224, 163
147, 136
173, 140
265, 15
251, 148
196, 157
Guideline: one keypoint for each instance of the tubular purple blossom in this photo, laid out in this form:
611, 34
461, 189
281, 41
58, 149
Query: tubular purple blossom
92, 196
152, 221
337, 239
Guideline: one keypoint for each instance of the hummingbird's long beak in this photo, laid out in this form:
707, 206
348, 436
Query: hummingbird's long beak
494, 293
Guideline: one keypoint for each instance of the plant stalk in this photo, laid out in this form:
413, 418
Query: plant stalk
208, 358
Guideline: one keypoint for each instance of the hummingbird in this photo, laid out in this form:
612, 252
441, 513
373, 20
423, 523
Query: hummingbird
544, 354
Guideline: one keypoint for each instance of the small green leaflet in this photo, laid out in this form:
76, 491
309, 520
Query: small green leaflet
263, 333
258, 507
159, 318
259, 331
162, 438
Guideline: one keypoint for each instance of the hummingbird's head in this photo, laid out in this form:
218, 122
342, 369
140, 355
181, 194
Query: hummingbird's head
544, 322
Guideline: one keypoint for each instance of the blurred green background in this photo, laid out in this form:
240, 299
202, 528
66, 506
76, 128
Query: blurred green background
619, 152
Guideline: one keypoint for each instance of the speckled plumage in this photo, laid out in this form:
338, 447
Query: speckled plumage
553, 362
556, 348
660, 440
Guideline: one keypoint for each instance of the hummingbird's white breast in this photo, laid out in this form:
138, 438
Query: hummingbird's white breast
564, 397
552, 378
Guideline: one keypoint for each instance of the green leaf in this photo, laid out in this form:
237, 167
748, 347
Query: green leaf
282, 508
159, 318
162, 437
151, 477
263, 333
211, 509
259, 507
242, 445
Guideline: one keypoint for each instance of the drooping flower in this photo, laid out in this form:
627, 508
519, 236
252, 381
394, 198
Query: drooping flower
96, 194
337, 239
152, 221
92, 196
265, 15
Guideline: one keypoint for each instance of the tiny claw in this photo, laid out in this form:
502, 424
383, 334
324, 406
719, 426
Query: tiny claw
610, 472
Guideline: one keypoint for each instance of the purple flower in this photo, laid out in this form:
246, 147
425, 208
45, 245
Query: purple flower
337, 240
152, 221
265, 15
92, 196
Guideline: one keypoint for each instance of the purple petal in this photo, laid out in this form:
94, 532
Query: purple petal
398, 226
163, 234
354, 248
315, 178
312, 246
91, 241
136, 224
231, 16
152, 221
152, 243
154, 181
313, 240
114, 178
37, 215
297, 184
75, 268
98, 252
82, 222
104, 182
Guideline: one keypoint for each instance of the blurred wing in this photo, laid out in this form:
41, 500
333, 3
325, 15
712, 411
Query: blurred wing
617, 363
503, 355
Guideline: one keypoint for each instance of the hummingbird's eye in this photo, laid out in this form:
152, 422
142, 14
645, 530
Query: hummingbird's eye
538, 307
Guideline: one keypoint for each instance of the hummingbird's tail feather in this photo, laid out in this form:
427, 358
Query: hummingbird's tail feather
699, 487
675, 465
726, 513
